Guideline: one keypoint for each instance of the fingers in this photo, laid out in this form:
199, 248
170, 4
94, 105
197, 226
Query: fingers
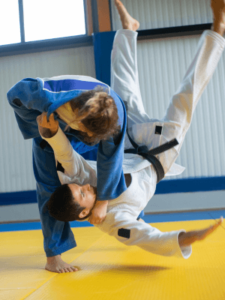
93, 220
51, 124
51, 118
42, 119
96, 221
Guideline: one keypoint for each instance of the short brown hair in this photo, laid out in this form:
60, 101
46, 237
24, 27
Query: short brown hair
101, 114
63, 207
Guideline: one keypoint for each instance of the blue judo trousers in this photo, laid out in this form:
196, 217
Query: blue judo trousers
29, 98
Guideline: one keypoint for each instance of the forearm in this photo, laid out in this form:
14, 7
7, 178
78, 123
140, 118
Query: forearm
58, 141
63, 150
46, 132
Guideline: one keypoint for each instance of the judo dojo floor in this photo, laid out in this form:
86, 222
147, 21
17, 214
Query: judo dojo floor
110, 270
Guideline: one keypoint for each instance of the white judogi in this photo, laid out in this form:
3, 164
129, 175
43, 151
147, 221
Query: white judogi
121, 220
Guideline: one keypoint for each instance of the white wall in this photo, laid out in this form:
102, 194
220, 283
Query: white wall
16, 173
165, 13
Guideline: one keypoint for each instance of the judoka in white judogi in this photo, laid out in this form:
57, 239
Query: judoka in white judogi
121, 220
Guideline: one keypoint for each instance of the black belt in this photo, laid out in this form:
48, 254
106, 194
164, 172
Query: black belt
150, 154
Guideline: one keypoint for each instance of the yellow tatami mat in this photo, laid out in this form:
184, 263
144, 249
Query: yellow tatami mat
110, 270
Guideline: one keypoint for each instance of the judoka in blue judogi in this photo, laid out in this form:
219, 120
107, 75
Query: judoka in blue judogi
29, 98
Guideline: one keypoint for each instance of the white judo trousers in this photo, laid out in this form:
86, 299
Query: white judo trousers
121, 219
177, 120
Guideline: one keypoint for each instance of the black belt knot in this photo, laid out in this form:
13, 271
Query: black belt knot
150, 154
142, 149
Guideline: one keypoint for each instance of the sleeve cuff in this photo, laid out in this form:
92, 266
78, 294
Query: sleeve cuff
58, 142
216, 36
184, 251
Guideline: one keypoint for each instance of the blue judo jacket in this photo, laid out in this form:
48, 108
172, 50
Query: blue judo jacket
29, 98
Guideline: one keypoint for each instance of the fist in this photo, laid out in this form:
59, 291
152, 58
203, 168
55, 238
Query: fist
47, 128
98, 214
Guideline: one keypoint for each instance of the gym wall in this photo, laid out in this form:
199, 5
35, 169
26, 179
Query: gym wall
162, 64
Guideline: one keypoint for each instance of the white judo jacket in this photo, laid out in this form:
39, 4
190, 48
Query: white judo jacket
122, 212
121, 220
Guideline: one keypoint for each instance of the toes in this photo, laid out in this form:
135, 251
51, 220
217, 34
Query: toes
72, 269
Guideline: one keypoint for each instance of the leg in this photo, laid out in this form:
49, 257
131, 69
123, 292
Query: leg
58, 236
182, 106
178, 117
124, 71
127, 230
127, 21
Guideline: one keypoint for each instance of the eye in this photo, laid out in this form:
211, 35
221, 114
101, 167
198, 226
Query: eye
82, 194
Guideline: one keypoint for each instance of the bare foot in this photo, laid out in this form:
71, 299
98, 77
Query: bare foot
56, 264
188, 238
127, 21
218, 10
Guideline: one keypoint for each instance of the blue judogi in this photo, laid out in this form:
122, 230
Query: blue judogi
29, 98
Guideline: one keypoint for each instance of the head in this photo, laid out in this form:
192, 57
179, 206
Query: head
72, 202
97, 115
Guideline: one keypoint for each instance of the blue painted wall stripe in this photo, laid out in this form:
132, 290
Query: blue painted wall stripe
189, 185
18, 198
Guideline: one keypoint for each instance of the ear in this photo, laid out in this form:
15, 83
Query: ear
84, 213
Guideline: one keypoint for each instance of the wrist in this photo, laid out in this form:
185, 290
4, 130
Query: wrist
47, 132
99, 202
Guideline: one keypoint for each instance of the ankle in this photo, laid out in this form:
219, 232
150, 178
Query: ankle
53, 258
219, 26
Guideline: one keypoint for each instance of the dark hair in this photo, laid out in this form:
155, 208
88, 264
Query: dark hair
101, 114
63, 207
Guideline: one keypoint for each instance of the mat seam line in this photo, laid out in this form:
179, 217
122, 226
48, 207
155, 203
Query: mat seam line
60, 273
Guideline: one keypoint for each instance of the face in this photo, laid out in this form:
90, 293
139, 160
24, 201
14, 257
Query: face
66, 113
82, 128
85, 195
